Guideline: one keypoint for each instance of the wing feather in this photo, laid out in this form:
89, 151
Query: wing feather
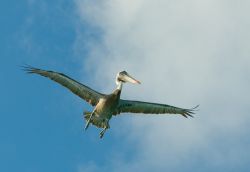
84, 92
151, 108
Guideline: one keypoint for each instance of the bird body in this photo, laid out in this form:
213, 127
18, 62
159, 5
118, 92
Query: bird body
104, 110
109, 105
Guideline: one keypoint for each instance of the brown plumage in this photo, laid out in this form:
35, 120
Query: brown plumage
108, 105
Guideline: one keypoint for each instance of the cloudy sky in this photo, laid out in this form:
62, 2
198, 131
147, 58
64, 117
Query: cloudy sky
184, 52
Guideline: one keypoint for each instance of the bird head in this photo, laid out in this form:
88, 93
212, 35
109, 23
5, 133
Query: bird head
124, 77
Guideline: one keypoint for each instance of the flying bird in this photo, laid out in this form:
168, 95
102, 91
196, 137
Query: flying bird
108, 105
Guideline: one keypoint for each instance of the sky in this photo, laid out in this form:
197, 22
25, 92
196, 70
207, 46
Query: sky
184, 52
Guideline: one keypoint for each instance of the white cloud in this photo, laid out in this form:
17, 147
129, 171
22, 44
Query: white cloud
185, 53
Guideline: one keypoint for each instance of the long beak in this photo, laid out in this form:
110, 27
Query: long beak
129, 78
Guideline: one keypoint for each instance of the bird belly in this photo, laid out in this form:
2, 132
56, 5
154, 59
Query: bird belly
103, 109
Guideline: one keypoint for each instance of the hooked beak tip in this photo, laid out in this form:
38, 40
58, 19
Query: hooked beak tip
138, 82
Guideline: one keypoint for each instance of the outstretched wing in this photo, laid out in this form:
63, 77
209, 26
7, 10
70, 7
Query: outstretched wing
86, 93
151, 108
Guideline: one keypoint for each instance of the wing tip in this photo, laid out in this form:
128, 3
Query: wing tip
188, 112
27, 68
195, 108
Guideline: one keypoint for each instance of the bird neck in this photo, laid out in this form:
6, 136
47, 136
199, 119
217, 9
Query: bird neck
119, 85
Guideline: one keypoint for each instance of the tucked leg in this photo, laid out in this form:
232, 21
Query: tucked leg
102, 132
88, 121
105, 128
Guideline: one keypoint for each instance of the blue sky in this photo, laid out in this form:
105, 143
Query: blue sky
190, 52
41, 122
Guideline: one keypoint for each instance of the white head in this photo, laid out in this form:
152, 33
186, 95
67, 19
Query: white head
123, 77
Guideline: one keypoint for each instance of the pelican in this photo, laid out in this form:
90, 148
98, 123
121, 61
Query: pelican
108, 105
